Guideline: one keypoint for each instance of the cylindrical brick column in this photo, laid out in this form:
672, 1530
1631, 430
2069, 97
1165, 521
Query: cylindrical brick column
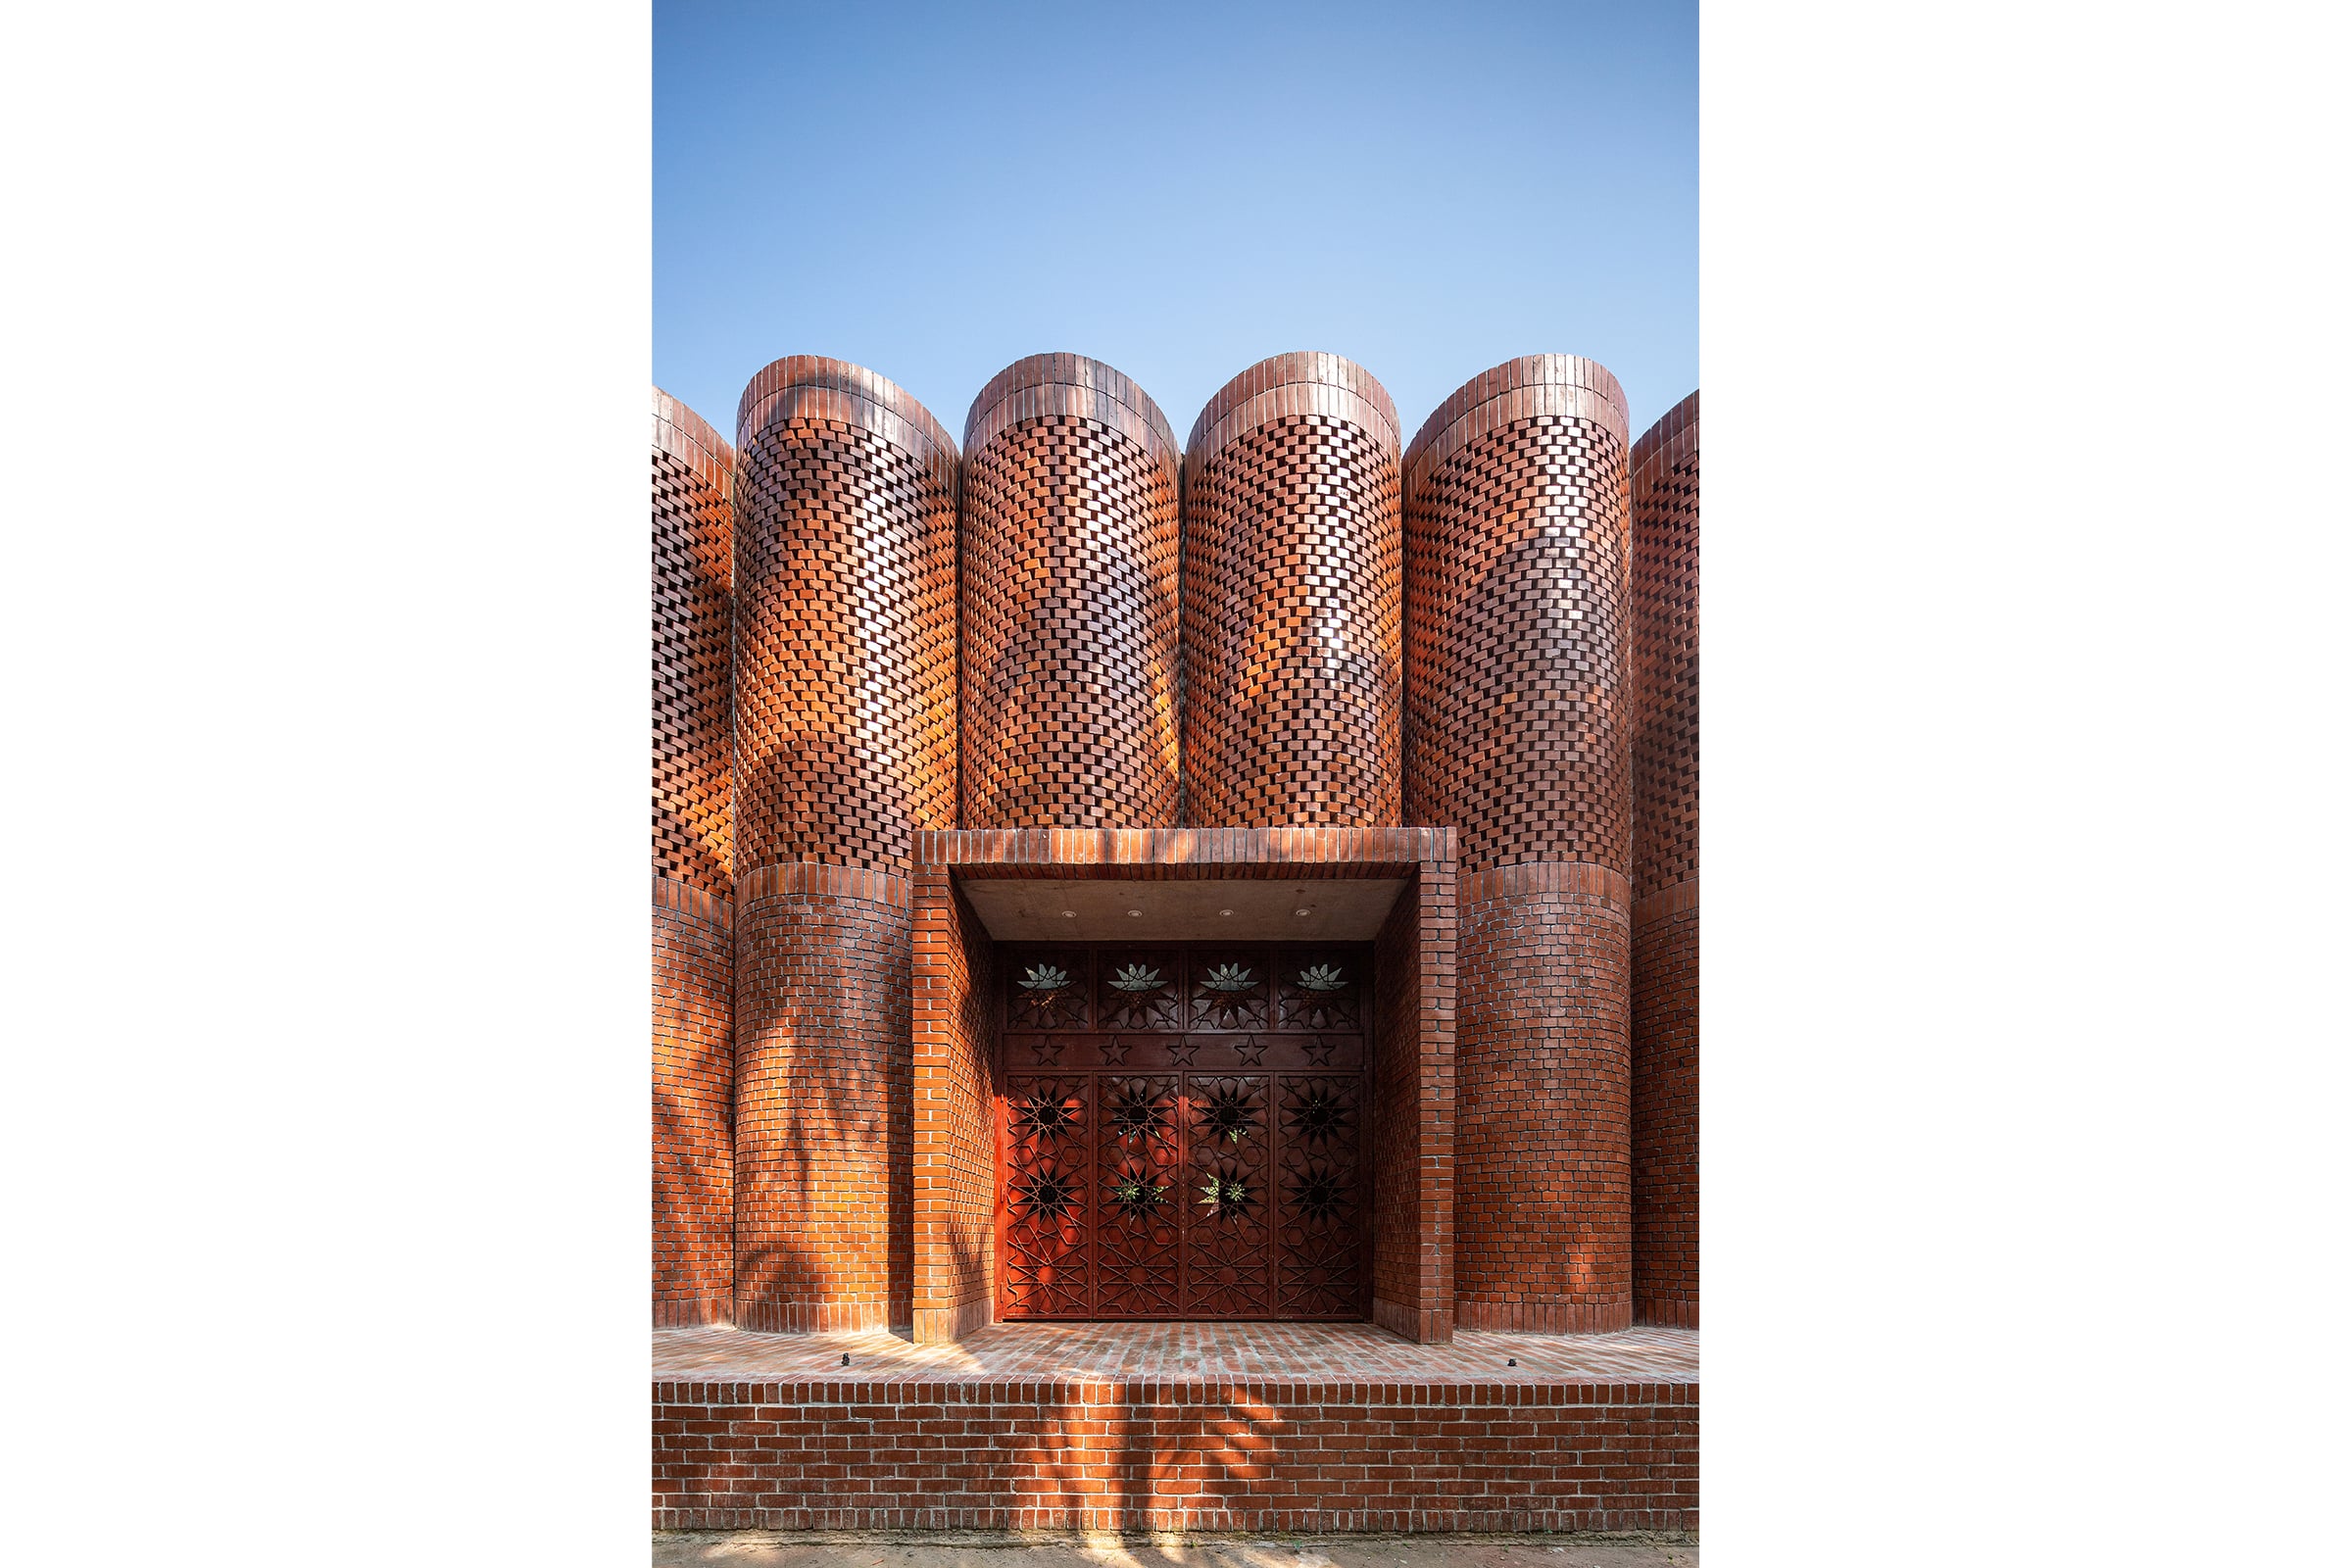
1516, 570
1293, 601
1069, 600
693, 947
845, 746
1665, 749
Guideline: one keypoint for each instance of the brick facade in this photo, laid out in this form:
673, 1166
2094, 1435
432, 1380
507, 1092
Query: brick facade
1293, 606
693, 960
1665, 1014
883, 670
1069, 600
1515, 576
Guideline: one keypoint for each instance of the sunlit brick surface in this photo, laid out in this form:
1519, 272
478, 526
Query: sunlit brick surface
1352, 1352
845, 619
1294, 614
1665, 1013
693, 1076
692, 957
1516, 541
1069, 598
1268, 1427
693, 541
824, 1107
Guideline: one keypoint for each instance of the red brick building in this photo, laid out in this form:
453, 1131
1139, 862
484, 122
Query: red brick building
1099, 881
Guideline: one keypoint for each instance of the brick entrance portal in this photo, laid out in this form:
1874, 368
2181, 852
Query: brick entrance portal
1181, 1132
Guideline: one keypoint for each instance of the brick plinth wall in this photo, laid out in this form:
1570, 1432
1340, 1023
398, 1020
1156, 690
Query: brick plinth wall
1665, 752
1515, 588
845, 746
1410, 1150
693, 961
1240, 1455
1068, 582
1293, 609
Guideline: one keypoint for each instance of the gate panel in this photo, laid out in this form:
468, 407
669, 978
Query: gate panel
1181, 1132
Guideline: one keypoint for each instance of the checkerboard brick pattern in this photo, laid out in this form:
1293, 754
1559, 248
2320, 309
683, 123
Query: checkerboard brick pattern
692, 957
1665, 1012
1070, 535
1516, 551
1515, 557
1293, 611
692, 544
845, 619
1179, 1427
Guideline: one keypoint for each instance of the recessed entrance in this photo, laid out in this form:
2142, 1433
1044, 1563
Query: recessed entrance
1181, 1131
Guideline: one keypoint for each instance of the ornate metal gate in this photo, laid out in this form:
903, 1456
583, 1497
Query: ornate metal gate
1180, 1132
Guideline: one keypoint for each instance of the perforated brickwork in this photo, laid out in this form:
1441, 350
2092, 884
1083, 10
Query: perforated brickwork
1294, 618
845, 635
1543, 1206
824, 1105
1515, 563
693, 1074
1666, 835
1069, 541
1665, 649
693, 541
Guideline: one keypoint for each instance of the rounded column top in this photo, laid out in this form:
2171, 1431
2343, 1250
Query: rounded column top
1046, 384
1286, 384
1659, 438
688, 437
1518, 390
835, 389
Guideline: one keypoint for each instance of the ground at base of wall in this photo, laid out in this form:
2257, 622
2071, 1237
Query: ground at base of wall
753, 1548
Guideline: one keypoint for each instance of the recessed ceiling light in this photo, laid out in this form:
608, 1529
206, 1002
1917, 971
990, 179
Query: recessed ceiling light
1224, 911
1303, 912
1135, 912
1069, 914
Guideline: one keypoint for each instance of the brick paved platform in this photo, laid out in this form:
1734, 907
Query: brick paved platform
1176, 1426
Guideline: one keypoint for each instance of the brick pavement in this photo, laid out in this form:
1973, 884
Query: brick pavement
1067, 1351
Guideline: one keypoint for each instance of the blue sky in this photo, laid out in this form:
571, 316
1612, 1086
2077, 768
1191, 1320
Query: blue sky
934, 192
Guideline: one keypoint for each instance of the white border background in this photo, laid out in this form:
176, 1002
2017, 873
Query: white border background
2023, 334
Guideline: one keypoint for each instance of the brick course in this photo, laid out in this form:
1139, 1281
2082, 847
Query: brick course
1242, 1455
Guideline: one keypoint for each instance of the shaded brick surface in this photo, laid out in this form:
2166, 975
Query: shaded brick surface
693, 960
1294, 613
1665, 1013
1069, 595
